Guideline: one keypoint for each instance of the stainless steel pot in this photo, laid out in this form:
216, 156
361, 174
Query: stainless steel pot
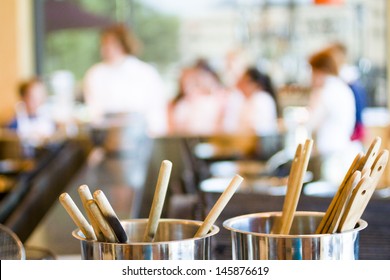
174, 241
252, 240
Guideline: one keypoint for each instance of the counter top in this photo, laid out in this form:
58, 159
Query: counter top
120, 177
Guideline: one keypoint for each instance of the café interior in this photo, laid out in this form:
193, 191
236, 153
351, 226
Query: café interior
208, 48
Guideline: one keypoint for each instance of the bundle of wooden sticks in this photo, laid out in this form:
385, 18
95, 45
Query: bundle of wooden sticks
355, 191
351, 198
105, 225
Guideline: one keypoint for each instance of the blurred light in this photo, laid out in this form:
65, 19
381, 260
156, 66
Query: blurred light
329, 2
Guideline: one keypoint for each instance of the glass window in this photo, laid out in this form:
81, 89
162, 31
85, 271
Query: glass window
276, 35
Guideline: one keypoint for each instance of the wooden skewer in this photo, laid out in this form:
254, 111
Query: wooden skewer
298, 183
276, 228
158, 201
110, 215
101, 221
219, 206
77, 216
86, 195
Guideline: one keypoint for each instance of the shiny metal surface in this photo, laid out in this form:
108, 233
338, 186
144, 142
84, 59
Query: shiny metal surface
252, 240
174, 241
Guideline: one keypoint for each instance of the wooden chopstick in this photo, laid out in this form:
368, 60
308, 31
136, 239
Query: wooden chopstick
110, 215
219, 206
101, 221
276, 228
77, 216
158, 201
292, 201
298, 169
85, 195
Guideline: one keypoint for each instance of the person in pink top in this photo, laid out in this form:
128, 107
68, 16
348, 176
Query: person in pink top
198, 108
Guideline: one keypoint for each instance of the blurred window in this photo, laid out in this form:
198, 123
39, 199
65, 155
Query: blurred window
276, 35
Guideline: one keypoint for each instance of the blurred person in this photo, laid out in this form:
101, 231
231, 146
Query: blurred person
254, 110
332, 117
235, 63
32, 121
123, 84
350, 75
332, 105
197, 109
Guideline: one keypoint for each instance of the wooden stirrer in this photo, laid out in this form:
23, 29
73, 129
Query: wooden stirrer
77, 216
158, 201
219, 206
371, 154
86, 195
353, 167
362, 193
110, 215
341, 203
101, 221
297, 188
276, 228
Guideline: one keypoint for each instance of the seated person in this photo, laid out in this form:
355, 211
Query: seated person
198, 108
31, 122
255, 112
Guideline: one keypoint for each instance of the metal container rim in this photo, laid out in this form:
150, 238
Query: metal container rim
214, 230
19, 244
227, 224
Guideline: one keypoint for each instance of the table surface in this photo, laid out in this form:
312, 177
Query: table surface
120, 177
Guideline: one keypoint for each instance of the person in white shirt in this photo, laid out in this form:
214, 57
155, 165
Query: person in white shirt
350, 74
255, 110
123, 84
332, 116
332, 105
33, 123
